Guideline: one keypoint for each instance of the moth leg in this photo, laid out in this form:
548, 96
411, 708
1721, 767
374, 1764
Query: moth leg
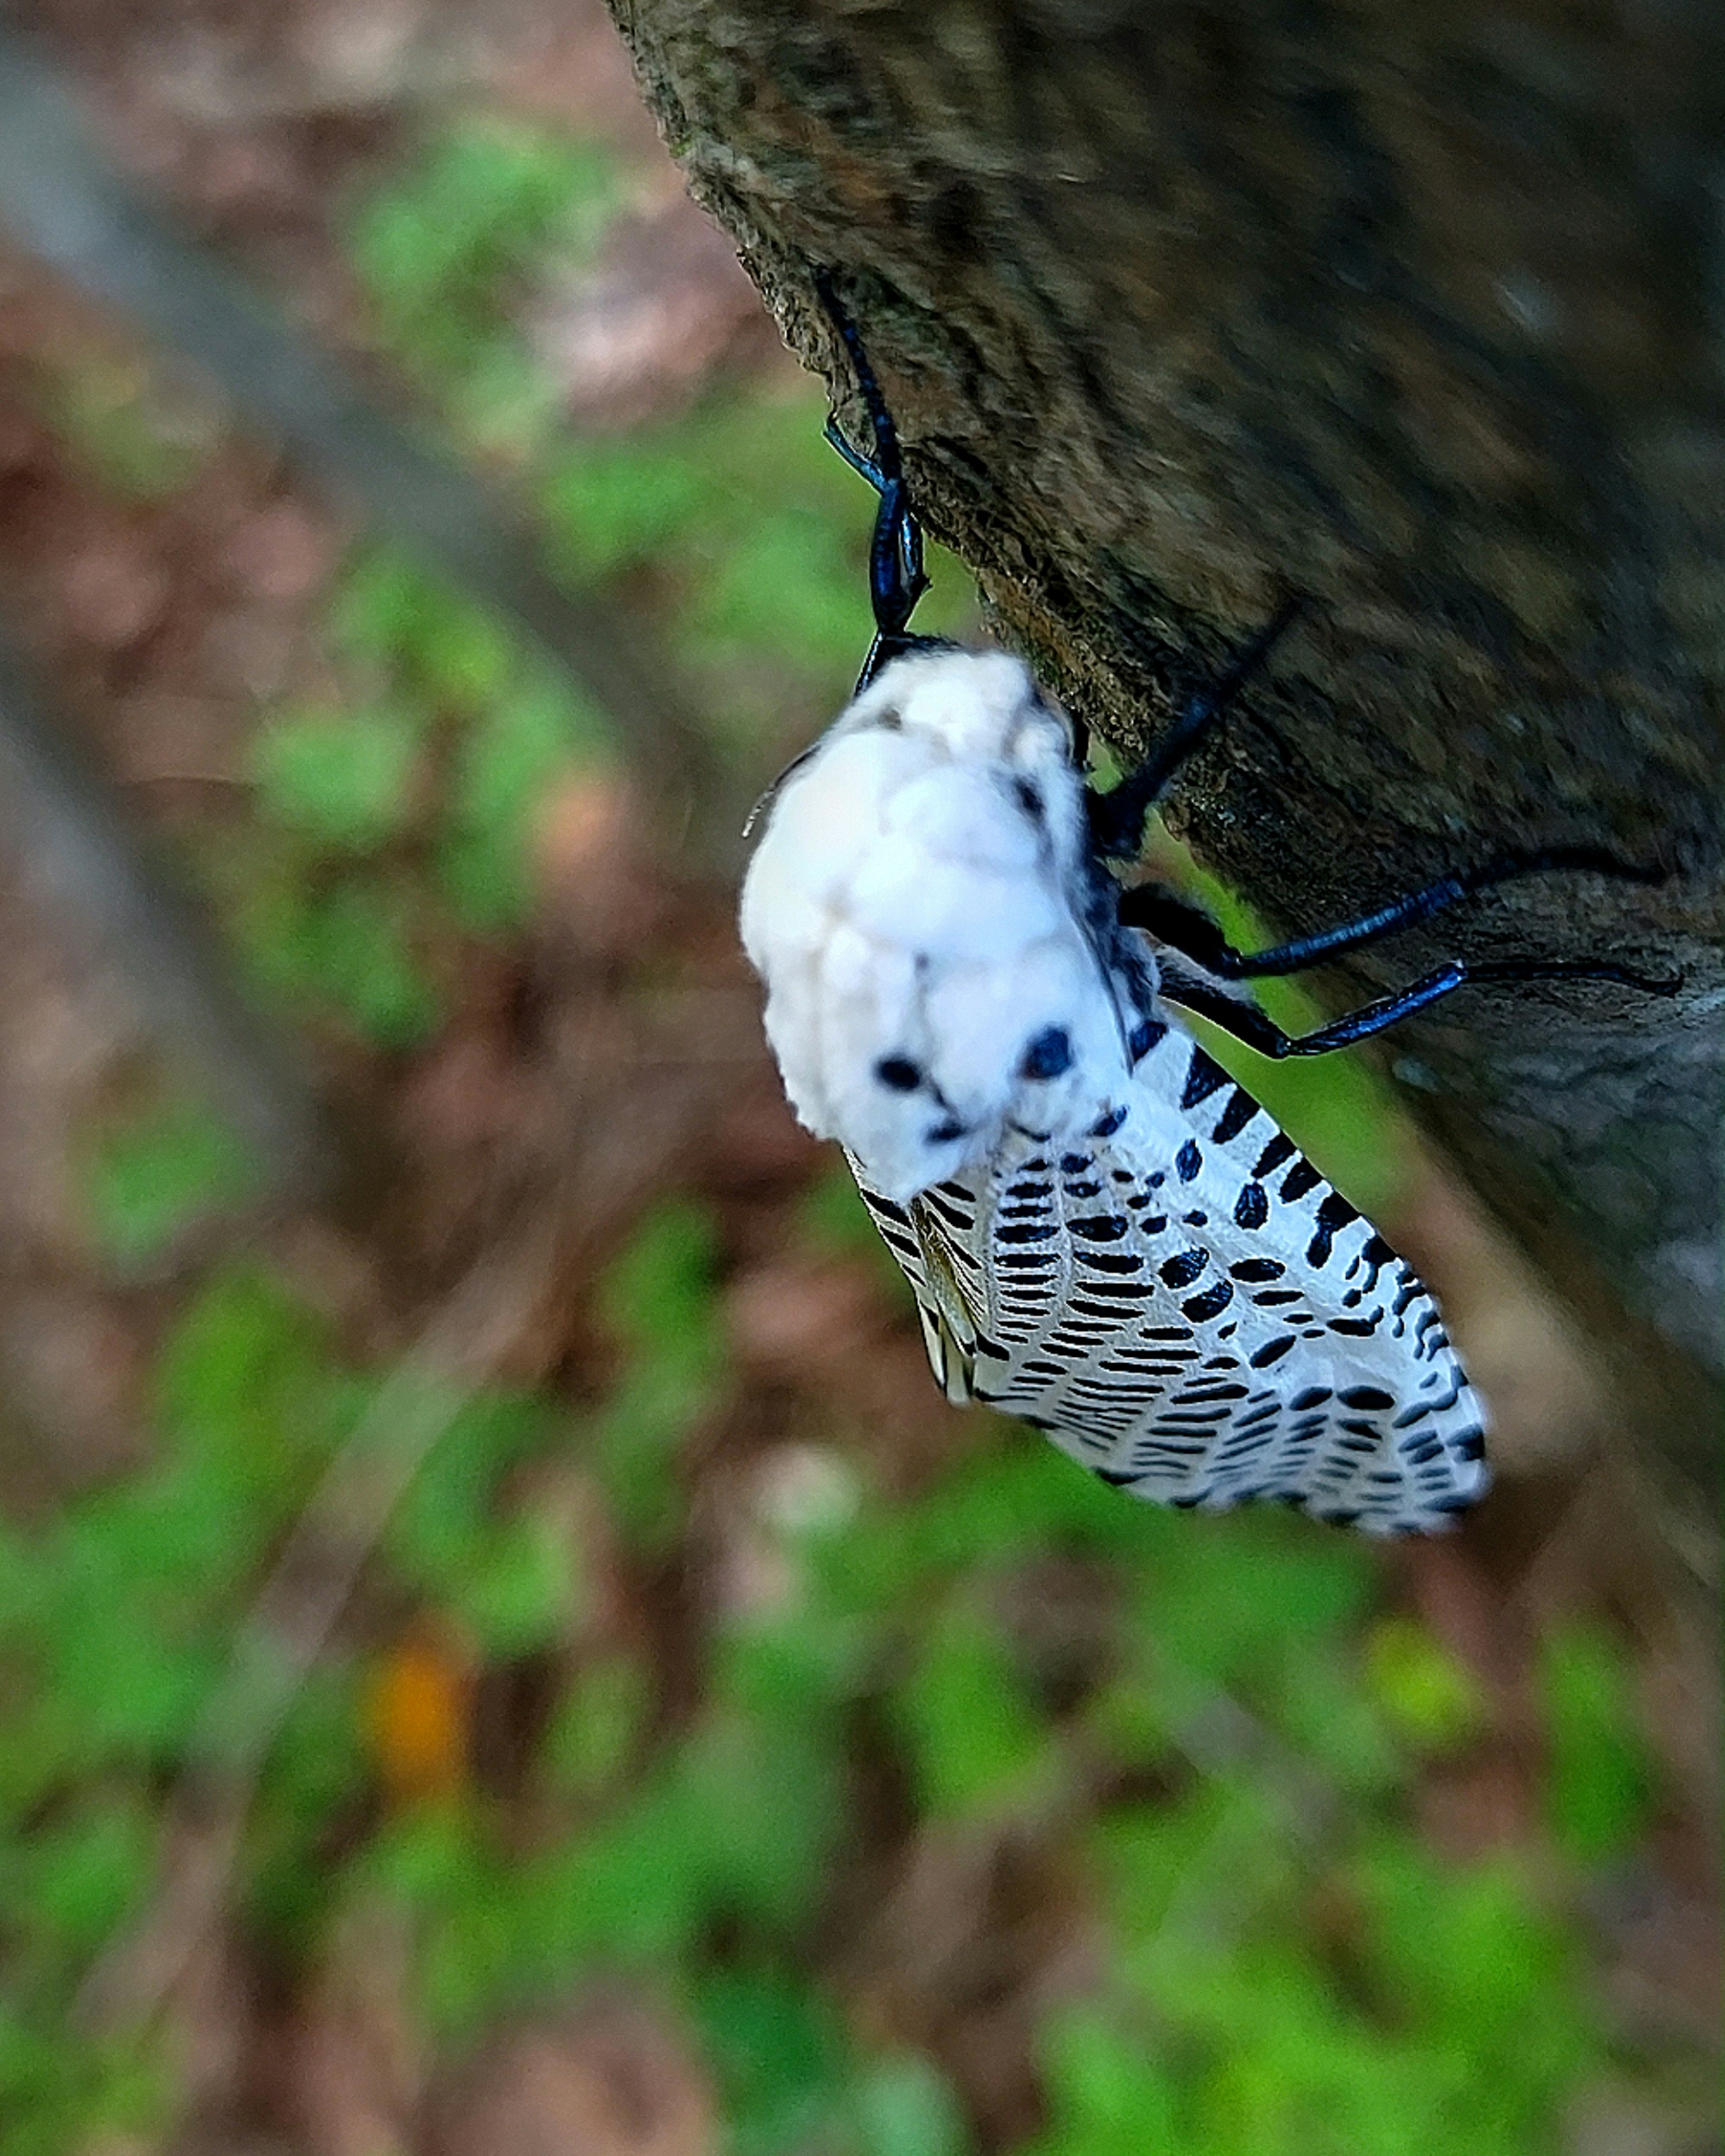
1247, 1023
1116, 818
1172, 921
897, 575
862, 465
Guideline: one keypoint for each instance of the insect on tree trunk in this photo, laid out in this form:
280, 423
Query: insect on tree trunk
1418, 311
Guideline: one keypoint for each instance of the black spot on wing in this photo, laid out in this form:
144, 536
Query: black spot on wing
1211, 1303
1251, 1209
957, 1216
1143, 1037
1100, 1227
1334, 1212
1189, 1162
1203, 1074
1233, 1118
1280, 1148
1181, 1270
1299, 1179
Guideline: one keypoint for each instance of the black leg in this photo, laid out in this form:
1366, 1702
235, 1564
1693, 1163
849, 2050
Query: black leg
1171, 921
1249, 1024
1116, 818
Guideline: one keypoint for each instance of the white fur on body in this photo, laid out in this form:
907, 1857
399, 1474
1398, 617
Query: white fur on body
908, 900
1124, 1250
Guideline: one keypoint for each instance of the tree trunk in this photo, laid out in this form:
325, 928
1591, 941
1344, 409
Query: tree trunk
1178, 302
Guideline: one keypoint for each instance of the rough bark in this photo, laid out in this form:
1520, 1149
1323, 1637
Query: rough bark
1419, 309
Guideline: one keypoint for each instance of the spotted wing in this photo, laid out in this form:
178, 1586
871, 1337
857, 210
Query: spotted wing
1185, 1305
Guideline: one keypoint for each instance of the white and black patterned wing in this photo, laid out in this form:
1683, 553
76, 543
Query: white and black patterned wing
1184, 1304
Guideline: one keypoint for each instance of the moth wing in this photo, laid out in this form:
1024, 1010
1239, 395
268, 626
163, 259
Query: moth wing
1182, 1304
946, 1315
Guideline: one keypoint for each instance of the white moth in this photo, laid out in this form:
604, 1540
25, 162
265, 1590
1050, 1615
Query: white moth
1108, 1238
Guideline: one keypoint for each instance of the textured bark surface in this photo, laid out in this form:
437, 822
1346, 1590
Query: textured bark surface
1420, 309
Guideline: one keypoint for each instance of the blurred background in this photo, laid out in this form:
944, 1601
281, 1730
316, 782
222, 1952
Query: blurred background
502, 1650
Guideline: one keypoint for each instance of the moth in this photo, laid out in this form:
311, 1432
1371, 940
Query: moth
1106, 1236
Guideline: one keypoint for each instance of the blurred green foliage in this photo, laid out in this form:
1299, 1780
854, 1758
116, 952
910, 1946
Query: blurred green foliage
659, 1302
1225, 1775
1427, 1695
401, 816
156, 1172
386, 830
734, 525
1599, 1790
136, 437
438, 247
1287, 1968
339, 780
740, 514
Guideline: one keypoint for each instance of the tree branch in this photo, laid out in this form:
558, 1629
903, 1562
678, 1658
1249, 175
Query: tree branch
1180, 301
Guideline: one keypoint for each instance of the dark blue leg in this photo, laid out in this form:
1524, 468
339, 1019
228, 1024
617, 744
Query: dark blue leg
1116, 818
1250, 1024
897, 577
1171, 921
858, 462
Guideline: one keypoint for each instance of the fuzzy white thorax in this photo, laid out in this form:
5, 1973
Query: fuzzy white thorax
918, 907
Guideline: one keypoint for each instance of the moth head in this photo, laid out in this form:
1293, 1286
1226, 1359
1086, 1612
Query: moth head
976, 706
